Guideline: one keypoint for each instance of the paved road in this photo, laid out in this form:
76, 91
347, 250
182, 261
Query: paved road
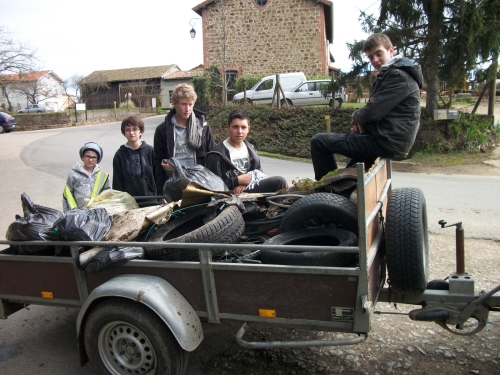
42, 340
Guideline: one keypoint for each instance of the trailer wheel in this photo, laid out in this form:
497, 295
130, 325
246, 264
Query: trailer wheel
407, 241
321, 210
227, 227
311, 237
125, 337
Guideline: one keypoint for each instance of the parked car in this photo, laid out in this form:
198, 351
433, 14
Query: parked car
263, 91
36, 108
7, 123
310, 93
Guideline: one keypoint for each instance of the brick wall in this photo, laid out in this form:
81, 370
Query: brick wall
284, 36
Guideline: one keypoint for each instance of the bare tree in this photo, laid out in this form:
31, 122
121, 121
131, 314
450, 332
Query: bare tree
15, 57
218, 24
74, 82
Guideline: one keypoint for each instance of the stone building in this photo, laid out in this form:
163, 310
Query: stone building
259, 37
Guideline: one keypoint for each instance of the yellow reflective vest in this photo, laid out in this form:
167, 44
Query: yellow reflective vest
99, 183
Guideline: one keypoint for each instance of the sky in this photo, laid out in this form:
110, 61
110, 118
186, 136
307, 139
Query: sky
77, 38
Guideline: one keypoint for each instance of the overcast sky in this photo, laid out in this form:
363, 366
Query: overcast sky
74, 37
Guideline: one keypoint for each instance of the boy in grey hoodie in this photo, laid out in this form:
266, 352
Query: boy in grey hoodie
85, 179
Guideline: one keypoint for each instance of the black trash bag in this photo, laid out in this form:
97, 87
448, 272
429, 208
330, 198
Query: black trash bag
80, 224
180, 177
108, 257
37, 225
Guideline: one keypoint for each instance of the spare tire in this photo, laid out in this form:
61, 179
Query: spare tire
226, 227
312, 237
321, 210
407, 241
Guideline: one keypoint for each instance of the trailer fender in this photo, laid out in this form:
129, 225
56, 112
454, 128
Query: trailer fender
157, 294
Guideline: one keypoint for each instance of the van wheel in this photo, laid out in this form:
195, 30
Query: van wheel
126, 337
196, 227
407, 241
311, 237
338, 103
283, 102
325, 210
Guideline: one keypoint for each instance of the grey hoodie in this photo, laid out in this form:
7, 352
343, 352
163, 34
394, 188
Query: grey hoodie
81, 183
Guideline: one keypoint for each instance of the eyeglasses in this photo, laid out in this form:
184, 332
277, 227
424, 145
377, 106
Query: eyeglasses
89, 157
132, 130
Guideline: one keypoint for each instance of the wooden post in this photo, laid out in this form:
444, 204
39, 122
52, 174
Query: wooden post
278, 90
328, 124
114, 104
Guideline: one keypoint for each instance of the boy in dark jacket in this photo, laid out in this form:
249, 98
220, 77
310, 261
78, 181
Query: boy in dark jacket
388, 124
184, 135
133, 162
237, 163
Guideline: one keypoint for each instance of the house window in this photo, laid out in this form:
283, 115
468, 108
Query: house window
261, 3
231, 77
170, 93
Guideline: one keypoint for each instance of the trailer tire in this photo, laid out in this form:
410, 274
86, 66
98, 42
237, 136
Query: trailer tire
316, 237
407, 241
321, 210
126, 337
226, 227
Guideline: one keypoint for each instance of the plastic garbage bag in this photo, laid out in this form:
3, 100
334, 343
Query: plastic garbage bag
81, 224
101, 258
37, 224
113, 201
180, 177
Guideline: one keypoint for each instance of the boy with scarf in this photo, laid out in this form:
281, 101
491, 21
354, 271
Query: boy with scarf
184, 135
388, 124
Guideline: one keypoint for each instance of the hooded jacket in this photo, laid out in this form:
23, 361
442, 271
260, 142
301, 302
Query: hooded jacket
133, 170
164, 144
80, 184
218, 160
392, 115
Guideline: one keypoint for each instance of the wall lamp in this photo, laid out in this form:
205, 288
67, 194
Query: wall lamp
191, 23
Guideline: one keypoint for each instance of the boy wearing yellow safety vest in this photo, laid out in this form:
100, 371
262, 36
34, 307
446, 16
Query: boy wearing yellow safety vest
85, 179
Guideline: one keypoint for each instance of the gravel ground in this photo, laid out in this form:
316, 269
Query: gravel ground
396, 345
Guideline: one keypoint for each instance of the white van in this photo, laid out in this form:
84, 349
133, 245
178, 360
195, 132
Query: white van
262, 92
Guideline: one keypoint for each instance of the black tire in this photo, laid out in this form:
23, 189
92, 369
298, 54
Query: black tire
321, 210
407, 241
126, 337
8, 131
316, 237
226, 227
338, 103
2, 130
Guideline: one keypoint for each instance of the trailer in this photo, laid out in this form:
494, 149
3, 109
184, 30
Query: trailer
146, 316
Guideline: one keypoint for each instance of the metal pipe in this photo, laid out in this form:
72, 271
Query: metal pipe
460, 246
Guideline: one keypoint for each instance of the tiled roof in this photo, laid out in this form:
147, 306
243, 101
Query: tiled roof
28, 76
200, 69
130, 74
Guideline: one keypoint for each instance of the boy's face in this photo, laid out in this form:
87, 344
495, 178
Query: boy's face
132, 133
183, 107
238, 130
379, 55
89, 159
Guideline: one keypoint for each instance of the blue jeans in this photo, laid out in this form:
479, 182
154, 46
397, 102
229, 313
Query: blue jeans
360, 147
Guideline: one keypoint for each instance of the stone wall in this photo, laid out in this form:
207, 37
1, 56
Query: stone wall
284, 36
65, 119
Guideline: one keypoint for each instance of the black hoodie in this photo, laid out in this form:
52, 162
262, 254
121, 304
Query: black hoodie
133, 170
392, 115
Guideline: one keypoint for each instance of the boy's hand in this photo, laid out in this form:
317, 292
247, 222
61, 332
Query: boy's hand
244, 179
239, 189
357, 128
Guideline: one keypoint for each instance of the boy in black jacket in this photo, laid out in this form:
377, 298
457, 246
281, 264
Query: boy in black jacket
237, 163
388, 124
133, 162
